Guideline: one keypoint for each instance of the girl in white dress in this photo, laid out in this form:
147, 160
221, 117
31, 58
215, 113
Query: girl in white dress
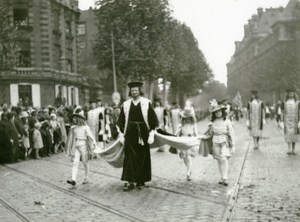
291, 121
188, 128
256, 118
223, 139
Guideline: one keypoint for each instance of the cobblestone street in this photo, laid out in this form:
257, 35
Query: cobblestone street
269, 186
265, 189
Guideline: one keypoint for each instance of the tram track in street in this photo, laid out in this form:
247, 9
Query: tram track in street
68, 192
233, 198
15, 211
150, 186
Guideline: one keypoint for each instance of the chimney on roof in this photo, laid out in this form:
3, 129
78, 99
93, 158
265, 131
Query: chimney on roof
260, 12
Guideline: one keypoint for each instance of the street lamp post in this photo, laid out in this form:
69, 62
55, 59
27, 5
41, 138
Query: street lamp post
113, 61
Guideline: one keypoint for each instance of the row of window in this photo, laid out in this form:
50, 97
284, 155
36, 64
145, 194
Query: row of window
24, 60
21, 18
23, 94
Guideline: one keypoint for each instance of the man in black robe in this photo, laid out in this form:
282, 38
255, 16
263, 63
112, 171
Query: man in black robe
137, 122
12, 135
4, 140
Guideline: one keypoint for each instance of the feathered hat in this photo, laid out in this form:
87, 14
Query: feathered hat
78, 112
188, 111
214, 106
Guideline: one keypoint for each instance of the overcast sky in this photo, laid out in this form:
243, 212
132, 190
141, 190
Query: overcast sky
217, 24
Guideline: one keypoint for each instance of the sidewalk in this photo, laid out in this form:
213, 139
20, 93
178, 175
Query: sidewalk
270, 183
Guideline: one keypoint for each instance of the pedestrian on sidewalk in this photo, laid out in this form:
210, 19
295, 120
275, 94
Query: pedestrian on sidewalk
62, 128
80, 145
291, 120
25, 137
223, 138
188, 128
55, 132
161, 114
37, 140
175, 117
278, 113
47, 138
12, 135
268, 112
256, 118
136, 124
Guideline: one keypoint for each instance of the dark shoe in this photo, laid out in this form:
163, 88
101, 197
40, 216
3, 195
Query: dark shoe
221, 182
188, 177
72, 182
225, 183
293, 153
139, 186
289, 153
128, 187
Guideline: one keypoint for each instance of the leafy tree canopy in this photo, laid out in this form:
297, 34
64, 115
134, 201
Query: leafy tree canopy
149, 44
8, 44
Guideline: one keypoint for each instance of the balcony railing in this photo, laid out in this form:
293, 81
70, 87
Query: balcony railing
41, 74
23, 25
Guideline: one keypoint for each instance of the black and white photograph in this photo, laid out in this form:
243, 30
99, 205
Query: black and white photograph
149, 110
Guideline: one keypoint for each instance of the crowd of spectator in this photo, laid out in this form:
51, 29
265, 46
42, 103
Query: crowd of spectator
26, 132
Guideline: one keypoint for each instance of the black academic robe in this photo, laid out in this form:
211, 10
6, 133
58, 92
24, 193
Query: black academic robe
13, 145
4, 142
137, 160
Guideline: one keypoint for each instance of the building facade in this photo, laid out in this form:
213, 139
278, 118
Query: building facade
48, 66
87, 33
268, 57
100, 81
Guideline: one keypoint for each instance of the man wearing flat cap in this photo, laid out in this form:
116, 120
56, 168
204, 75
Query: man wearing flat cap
255, 118
291, 120
136, 124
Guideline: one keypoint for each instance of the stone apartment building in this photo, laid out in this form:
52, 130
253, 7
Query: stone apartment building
87, 34
48, 54
268, 57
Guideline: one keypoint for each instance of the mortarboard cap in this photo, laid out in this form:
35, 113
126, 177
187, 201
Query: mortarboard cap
254, 92
134, 84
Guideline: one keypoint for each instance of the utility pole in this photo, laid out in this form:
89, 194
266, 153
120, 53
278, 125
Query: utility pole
113, 61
